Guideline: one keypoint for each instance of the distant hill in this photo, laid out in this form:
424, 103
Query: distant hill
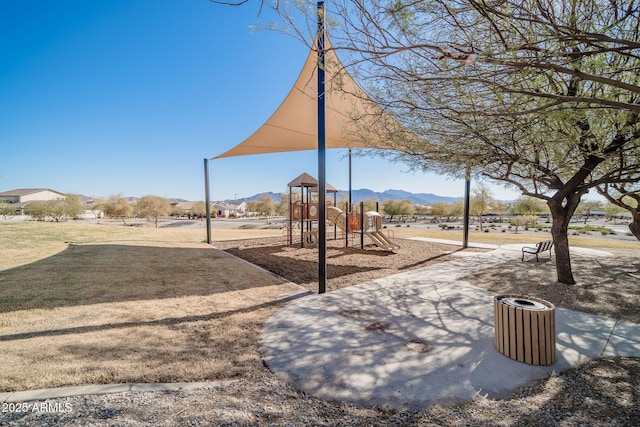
417, 198
365, 193
91, 199
358, 196
256, 197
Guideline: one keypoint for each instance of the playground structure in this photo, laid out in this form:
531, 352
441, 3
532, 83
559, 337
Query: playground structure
367, 223
303, 216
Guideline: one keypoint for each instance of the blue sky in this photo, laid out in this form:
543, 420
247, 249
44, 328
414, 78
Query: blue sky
130, 97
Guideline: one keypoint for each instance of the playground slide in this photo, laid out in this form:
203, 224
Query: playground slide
338, 217
382, 241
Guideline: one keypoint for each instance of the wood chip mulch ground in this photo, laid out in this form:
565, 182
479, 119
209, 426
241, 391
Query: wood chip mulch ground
347, 266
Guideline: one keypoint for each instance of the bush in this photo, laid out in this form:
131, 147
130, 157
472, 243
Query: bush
586, 228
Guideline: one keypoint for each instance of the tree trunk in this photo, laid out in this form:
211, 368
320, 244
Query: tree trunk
559, 232
635, 225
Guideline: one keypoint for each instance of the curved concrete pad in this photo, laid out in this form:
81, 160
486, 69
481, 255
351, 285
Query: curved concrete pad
416, 338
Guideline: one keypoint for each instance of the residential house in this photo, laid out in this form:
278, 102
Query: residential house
225, 210
21, 197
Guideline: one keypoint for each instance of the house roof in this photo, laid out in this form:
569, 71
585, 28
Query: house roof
224, 206
294, 125
26, 192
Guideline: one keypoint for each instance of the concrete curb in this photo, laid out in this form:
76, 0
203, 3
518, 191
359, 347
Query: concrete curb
56, 393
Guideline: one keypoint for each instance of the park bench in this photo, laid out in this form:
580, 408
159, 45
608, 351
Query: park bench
540, 247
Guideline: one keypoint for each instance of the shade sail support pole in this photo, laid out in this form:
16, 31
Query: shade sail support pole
348, 208
467, 197
207, 201
322, 179
350, 174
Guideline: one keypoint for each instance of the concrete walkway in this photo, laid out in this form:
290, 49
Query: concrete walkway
420, 337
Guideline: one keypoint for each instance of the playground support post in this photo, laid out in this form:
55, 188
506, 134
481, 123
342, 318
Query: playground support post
290, 231
322, 180
362, 228
347, 208
207, 202
346, 211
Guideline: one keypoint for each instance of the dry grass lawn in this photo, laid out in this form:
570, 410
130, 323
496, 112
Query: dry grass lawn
84, 304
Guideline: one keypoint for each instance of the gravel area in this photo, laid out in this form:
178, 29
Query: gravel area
603, 392
605, 286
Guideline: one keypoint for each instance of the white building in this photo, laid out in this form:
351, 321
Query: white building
21, 197
25, 195
225, 210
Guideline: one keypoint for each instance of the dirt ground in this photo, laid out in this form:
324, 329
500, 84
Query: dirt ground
346, 266
606, 286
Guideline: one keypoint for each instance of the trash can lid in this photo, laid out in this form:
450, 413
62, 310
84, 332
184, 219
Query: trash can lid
524, 303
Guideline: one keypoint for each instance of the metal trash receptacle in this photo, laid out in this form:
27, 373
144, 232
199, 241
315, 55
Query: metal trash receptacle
525, 329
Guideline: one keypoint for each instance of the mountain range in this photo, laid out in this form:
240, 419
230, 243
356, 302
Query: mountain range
357, 196
365, 194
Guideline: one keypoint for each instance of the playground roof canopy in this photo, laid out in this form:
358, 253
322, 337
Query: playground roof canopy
294, 125
304, 180
307, 181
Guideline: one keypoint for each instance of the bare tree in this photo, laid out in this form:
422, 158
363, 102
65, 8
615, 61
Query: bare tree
481, 201
265, 205
153, 207
116, 206
541, 95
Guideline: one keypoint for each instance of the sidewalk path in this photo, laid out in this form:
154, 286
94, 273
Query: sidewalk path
420, 337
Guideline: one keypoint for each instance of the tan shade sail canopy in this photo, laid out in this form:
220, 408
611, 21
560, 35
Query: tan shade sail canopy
294, 125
